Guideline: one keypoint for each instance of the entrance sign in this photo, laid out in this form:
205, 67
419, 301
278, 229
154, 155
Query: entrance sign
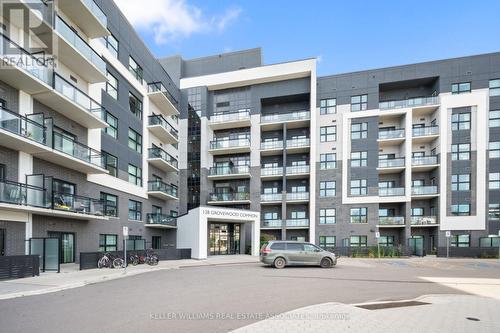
377, 234
448, 234
125, 231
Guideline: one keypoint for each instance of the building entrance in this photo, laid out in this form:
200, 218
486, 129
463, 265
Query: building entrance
224, 238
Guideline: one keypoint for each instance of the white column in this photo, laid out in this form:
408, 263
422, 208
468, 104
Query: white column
313, 135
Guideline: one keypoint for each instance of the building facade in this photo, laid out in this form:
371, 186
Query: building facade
218, 153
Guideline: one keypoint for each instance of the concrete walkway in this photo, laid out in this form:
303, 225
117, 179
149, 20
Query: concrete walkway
71, 277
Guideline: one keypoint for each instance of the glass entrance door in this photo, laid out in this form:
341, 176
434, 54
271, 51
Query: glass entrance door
224, 238
67, 245
417, 245
2, 242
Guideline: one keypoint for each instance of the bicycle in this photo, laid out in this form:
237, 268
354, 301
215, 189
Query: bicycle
133, 259
151, 258
108, 260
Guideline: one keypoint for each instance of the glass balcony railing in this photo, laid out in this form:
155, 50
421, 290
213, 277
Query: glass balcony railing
22, 126
77, 96
243, 114
391, 134
77, 150
297, 196
98, 13
271, 145
424, 160
272, 223
271, 197
297, 169
159, 120
159, 186
23, 194
297, 222
78, 43
391, 220
409, 103
291, 116
275, 171
77, 204
157, 152
391, 163
391, 191
424, 131
295, 143
230, 143
423, 220
424, 190
163, 219
229, 170
237, 196
154, 87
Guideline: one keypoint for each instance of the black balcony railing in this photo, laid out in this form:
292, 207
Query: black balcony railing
157, 152
159, 120
159, 186
76, 149
22, 126
154, 87
162, 219
237, 196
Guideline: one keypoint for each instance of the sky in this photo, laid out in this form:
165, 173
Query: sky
345, 36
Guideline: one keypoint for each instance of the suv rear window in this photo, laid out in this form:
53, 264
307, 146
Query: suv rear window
278, 246
294, 247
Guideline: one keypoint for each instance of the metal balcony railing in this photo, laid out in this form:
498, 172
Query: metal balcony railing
243, 114
159, 186
424, 131
76, 149
271, 197
409, 103
271, 145
230, 143
237, 196
229, 170
391, 220
391, 163
275, 171
98, 13
424, 190
77, 204
297, 196
163, 219
386, 134
159, 120
157, 152
423, 220
295, 143
272, 223
291, 116
297, 222
22, 126
424, 160
23, 194
391, 191
154, 87
297, 169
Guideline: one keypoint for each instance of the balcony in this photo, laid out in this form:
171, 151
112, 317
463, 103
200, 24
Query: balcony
162, 160
297, 196
160, 221
424, 221
271, 198
409, 103
391, 165
229, 146
268, 148
240, 118
425, 134
391, 136
299, 145
229, 198
297, 171
163, 99
161, 190
425, 163
391, 221
272, 224
293, 119
27, 198
229, 172
271, 173
73, 103
160, 128
424, 191
297, 223
87, 16
74, 52
391, 191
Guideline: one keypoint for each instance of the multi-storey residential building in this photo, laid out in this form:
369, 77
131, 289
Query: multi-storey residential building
107, 136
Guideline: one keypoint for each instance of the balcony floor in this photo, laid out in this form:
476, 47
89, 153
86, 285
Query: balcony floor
159, 226
230, 150
383, 171
163, 103
230, 124
161, 164
230, 176
52, 212
161, 195
163, 134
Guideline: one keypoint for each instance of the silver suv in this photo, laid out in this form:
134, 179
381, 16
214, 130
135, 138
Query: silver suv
282, 253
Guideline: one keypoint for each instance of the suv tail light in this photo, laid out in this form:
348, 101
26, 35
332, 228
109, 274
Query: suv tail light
267, 249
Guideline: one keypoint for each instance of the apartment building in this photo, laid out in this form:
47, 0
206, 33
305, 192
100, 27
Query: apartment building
88, 132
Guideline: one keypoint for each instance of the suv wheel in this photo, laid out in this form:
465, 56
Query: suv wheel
325, 263
279, 263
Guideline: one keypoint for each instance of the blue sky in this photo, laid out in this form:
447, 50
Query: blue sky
345, 35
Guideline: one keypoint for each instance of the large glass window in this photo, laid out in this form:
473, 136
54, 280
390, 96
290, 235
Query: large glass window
110, 163
328, 133
2, 171
489, 241
134, 175
495, 87
460, 121
112, 129
327, 216
134, 210
111, 44
494, 149
359, 159
417, 211
494, 211
494, 118
460, 182
359, 187
328, 106
108, 242
359, 215
460, 240
494, 181
327, 188
359, 102
460, 151
112, 85
135, 69
134, 140
460, 210
358, 241
460, 88
110, 204
359, 131
386, 240
328, 161
135, 105
327, 241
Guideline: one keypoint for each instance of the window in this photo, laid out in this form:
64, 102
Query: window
494, 211
134, 175
359, 215
417, 182
2, 171
494, 149
135, 105
327, 216
460, 121
134, 140
460, 240
295, 247
358, 187
134, 210
328, 106
489, 241
359, 103
359, 131
278, 246
358, 241
156, 242
460, 151
328, 161
495, 87
328, 133
417, 211
110, 163
359, 159
112, 85
494, 181
270, 216
386, 240
460, 210
327, 189
327, 241
494, 118
108, 243
460, 88
110, 204
111, 44
135, 69
112, 121
460, 182
298, 215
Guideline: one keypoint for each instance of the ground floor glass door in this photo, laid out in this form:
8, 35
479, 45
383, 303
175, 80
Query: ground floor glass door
224, 238
416, 244
67, 246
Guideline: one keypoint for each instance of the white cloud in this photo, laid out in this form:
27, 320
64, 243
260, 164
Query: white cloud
172, 19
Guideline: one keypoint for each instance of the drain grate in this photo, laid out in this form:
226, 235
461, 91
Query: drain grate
389, 305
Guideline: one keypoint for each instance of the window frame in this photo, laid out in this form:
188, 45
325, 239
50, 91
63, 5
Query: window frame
495, 181
457, 210
104, 199
457, 152
362, 241
138, 109
327, 216
360, 105
105, 246
327, 191
136, 176
111, 90
326, 163
326, 108
135, 142
325, 135
324, 244
458, 123
109, 45
361, 189
361, 133
112, 168
494, 211
494, 88
494, 152
495, 120
112, 129
138, 71
363, 159
134, 210
459, 89
456, 241
358, 213
457, 182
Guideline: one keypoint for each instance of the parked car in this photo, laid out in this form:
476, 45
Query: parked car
284, 253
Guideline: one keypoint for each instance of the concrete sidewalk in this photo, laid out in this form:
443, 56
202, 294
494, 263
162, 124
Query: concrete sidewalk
71, 277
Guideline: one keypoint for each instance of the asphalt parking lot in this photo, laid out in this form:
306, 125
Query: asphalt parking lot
224, 297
